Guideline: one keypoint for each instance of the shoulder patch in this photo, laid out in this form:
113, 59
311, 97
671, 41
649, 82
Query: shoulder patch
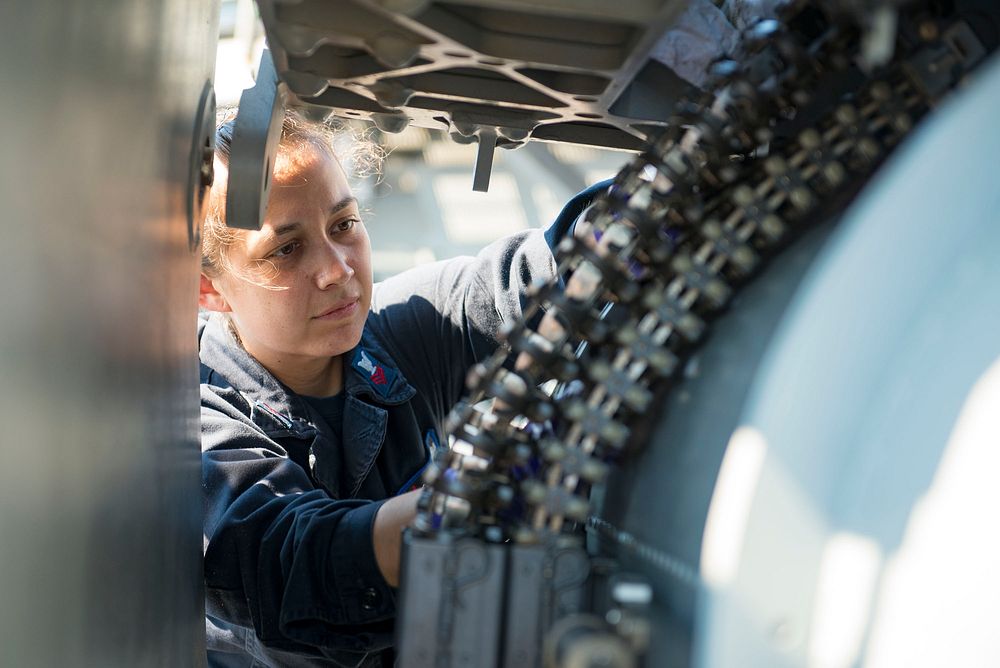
379, 376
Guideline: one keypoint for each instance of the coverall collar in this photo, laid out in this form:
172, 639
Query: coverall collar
371, 381
364, 367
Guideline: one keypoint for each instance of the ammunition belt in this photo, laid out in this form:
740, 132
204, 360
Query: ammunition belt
655, 259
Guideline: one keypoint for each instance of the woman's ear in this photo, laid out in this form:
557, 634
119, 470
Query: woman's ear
209, 298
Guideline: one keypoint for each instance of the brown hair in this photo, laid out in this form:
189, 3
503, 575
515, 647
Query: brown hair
352, 148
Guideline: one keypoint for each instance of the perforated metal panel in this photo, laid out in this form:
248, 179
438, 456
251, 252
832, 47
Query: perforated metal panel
550, 70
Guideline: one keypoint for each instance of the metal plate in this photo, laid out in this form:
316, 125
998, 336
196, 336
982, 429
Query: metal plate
100, 511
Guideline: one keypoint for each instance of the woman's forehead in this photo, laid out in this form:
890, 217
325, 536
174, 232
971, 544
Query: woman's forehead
293, 162
306, 179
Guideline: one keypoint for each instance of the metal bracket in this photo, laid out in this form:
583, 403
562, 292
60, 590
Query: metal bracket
545, 583
484, 159
452, 596
255, 143
201, 172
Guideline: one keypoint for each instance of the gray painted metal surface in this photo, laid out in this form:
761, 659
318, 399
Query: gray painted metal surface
100, 512
854, 518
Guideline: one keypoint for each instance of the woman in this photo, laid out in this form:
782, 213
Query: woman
322, 400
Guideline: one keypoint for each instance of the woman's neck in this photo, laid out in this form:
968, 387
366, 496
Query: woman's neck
311, 377
304, 375
323, 381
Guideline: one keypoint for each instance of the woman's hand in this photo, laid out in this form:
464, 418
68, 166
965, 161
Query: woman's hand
387, 533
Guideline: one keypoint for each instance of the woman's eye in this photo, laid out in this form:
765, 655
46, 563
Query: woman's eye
285, 250
345, 225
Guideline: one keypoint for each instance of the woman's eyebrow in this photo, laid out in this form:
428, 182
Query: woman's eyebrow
343, 204
339, 206
285, 229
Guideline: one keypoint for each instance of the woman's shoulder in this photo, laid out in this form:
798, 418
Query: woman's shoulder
438, 286
215, 350
233, 383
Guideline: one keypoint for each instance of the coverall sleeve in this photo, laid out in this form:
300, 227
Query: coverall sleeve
440, 319
281, 556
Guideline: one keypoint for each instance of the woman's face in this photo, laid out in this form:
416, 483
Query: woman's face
312, 259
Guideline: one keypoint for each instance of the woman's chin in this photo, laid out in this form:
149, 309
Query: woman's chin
343, 342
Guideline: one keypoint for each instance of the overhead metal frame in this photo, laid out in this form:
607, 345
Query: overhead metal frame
551, 70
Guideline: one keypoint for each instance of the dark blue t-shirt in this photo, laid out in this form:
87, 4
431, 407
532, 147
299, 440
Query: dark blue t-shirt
332, 410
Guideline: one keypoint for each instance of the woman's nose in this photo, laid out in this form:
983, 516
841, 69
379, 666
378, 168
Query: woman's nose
334, 268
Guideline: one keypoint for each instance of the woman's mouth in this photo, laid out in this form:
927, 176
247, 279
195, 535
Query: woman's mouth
342, 310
